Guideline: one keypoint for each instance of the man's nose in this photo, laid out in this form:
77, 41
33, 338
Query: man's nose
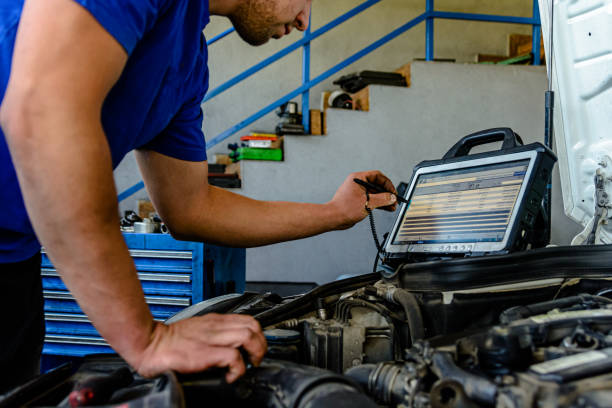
303, 19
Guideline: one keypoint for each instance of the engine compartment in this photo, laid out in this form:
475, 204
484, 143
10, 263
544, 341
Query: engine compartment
549, 353
367, 342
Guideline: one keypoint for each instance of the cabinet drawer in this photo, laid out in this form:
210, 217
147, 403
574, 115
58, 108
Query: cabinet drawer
155, 284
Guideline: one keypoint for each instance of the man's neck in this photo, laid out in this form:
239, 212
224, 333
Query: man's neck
222, 7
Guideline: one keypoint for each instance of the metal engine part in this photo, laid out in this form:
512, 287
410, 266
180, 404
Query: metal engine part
550, 354
371, 325
339, 345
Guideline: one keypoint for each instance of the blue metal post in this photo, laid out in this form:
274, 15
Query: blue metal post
536, 33
306, 79
429, 31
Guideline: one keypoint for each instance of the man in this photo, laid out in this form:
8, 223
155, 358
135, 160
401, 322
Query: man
83, 82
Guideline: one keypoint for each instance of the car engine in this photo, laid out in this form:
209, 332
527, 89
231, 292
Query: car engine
368, 342
547, 354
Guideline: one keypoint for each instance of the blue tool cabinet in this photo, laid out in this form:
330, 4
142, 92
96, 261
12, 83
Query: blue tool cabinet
174, 274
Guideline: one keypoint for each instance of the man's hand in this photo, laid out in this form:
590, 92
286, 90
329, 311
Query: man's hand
202, 342
350, 199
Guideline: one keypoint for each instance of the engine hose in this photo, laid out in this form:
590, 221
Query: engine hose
477, 388
412, 310
282, 384
334, 395
386, 382
361, 374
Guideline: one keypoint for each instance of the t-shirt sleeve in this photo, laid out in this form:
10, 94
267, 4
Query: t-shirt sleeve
183, 137
126, 20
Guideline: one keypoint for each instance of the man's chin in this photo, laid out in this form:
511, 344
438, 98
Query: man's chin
254, 39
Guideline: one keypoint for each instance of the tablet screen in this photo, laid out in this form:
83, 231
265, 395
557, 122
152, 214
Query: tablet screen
465, 205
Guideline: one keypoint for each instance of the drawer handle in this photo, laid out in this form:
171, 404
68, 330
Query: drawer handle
151, 300
143, 276
90, 341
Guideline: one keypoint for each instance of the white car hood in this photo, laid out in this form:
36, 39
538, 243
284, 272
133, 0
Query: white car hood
582, 81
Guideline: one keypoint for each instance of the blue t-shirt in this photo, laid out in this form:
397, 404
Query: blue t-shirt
154, 105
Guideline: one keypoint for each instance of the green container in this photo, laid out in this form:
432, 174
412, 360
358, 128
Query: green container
251, 153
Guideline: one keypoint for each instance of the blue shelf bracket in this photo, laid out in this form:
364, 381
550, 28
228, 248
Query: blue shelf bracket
429, 30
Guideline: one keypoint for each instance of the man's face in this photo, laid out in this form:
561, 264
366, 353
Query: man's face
256, 21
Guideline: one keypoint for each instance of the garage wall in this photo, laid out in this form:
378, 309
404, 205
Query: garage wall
454, 39
457, 40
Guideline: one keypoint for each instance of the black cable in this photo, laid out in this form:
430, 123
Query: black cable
375, 268
373, 228
379, 248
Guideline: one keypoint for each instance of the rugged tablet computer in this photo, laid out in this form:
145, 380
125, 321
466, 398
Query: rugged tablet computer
465, 205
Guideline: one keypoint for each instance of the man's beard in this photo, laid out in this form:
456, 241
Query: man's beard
254, 21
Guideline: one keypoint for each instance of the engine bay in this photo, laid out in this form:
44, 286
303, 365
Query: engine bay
371, 341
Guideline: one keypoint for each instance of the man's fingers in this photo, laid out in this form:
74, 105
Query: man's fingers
218, 322
253, 342
225, 357
232, 321
203, 342
376, 177
381, 200
236, 318
236, 367
233, 331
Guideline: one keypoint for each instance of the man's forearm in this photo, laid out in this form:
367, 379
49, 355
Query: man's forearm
194, 210
227, 218
50, 115
69, 193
